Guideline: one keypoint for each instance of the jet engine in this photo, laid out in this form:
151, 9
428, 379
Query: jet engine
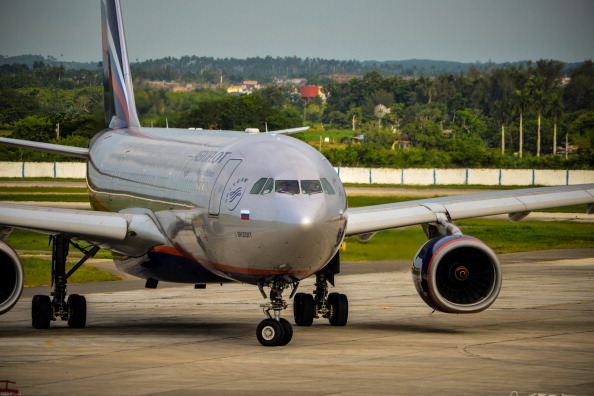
457, 274
11, 277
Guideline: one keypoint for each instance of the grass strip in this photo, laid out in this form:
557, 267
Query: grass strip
501, 235
44, 197
38, 273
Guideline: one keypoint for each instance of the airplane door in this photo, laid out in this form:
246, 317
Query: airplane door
214, 205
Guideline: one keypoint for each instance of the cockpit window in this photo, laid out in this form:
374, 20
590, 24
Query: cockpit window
262, 186
327, 187
287, 186
258, 186
268, 187
311, 187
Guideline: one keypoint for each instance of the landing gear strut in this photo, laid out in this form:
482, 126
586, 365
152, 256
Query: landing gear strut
333, 306
73, 309
275, 331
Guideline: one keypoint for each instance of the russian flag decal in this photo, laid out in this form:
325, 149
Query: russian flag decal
245, 214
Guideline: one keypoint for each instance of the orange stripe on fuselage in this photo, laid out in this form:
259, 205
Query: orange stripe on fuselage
173, 251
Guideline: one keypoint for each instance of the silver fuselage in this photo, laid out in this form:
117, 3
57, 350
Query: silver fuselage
196, 185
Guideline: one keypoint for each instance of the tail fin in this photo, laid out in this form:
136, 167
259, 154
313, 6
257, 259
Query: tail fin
120, 108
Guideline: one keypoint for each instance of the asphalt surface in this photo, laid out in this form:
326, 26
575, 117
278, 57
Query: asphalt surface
536, 339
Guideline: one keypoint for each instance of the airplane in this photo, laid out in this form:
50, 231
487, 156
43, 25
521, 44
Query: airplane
201, 206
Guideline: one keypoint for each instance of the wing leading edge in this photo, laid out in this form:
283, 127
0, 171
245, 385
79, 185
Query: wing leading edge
516, 203
131, 234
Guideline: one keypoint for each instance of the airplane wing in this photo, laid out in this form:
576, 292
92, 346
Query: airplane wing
80, 152
517, 203
128, 233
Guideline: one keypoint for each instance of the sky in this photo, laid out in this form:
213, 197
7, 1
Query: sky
452, 30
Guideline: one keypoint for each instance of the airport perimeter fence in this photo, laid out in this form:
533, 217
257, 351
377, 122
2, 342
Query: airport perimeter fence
410, 176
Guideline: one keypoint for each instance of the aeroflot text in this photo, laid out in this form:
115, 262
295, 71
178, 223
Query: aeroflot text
214, 157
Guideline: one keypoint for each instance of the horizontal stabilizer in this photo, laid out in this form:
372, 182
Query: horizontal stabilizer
291, 130
71, 151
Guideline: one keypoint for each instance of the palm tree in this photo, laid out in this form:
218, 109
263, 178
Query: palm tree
554, 110
502, 113
538, 101
521, 102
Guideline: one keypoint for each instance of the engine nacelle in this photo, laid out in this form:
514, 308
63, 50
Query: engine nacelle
457, 274
11, 277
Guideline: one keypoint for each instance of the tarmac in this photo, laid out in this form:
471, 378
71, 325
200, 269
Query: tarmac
536, 339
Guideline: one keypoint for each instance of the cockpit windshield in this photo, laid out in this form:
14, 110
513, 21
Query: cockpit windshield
286, 186
266, 185
311, 187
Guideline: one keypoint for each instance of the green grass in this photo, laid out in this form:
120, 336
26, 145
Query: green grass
501, 235
45, 197
42, 190
38, 273
32, 179
314, 136
24, 240
39, 194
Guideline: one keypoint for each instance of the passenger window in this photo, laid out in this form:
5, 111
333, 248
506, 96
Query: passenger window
286, 186
258, 186
311, 187
327, 187
268, 186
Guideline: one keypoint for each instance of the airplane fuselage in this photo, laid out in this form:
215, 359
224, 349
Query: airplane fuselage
235, 206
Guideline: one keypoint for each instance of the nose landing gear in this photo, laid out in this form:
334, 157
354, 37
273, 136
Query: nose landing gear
275, 331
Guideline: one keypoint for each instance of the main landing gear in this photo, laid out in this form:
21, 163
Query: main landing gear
333, 306
73, 309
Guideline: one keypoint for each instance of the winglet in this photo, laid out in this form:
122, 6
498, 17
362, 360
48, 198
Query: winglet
120, 108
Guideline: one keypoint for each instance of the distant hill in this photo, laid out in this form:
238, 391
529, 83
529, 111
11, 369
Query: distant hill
29, 60
265, 69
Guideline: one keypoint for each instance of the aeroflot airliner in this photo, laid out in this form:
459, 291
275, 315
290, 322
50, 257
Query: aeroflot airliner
197, 206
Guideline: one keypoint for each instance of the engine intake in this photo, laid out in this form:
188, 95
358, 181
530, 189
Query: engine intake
457, 274
11, 277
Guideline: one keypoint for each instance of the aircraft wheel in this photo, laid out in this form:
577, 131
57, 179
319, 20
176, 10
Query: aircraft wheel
303, 309
340, 309
288, 329
271, 332
77, 311
41, 312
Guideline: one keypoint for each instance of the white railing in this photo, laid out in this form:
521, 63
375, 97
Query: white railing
410, 176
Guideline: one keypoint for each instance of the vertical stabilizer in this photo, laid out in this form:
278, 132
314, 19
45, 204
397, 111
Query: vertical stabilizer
120, 108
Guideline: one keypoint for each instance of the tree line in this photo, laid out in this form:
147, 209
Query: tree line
511, 116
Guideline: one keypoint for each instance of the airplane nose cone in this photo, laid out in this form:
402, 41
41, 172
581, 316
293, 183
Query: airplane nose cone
308, 231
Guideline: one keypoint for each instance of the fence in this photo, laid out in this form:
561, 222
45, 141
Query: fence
58, 170
422, 177
488, 177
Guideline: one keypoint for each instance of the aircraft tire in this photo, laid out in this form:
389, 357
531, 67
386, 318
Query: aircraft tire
271, 332
41, 312
77, 311
340, 307
288, 329
303, 309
